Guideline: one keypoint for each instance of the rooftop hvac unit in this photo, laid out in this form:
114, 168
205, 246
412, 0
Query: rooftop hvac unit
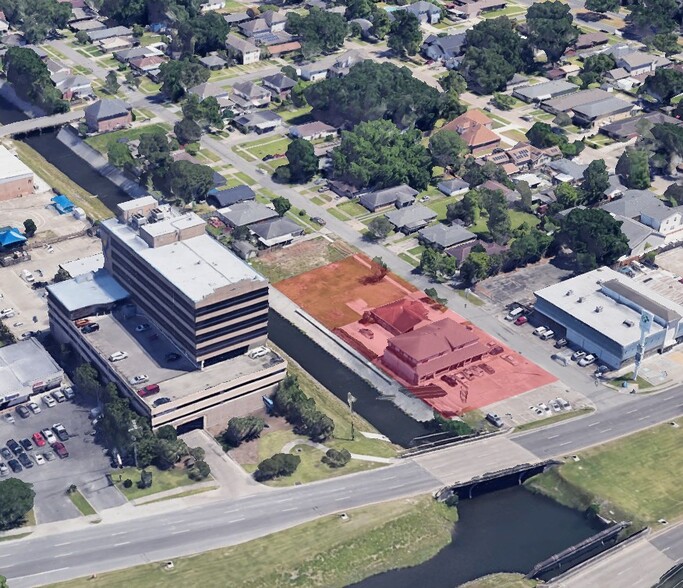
580, 300
569, 292
137, 220
628, 323
157, 214
598, 309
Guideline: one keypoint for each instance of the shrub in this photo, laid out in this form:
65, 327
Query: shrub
281, 464
127, 483
242, 429
200, 471
336, 459
145, 479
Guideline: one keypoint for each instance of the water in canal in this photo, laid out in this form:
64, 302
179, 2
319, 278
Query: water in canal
508, 530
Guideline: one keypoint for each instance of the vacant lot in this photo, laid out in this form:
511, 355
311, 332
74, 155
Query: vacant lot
327, 553
101, 142
637, 477
327, 291
279, 264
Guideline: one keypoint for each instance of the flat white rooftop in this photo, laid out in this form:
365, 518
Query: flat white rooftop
83, 265
11, 167
91, 289
23, 364
198, 266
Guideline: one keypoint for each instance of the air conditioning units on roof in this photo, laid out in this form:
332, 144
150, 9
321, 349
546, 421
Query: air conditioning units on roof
157, 214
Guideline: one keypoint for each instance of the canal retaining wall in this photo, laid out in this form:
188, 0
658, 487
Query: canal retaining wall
7, 92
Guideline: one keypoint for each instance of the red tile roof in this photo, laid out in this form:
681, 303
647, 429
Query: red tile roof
401, 316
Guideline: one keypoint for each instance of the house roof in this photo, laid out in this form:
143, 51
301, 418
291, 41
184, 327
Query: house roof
546, 90
511, 196
637, 59
634, 231
107, 108
402, 315
134, 52
250, 89
603, 108
101, 34
453, 185
421, 6
466, 120
461, 251
410, 216
246, 213
580, 98
387, 196
279, 81
231, 196
151, 61
275, 228
446, 236
313, 128
451, 44
568, 167
591, 39
240, 45
212, 61
208, 89
479, 135
629, 127
278, 48
633, 202
260, 117
236, 17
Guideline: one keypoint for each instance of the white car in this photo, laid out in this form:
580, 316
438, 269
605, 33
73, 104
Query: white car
6, 312
544, 407
33, 407
564, 404
118, 356
9, 418
587, 360
578, 355
40, 460
50, 437
540, 330
555, 406
139, 379
49, 401
4, 470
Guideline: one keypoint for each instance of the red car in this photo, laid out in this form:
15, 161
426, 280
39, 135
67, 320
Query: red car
521, 320
38, 439
60, 450
148, 390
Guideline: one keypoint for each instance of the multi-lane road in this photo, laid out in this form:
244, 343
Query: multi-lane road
49, 557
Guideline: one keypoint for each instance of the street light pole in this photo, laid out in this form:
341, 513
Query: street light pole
350, 399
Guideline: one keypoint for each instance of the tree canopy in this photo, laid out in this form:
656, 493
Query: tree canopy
541, 135
447, 148
664, 84
142, 12
550, 28
36, 18
303, 164
650, 17
594, 236
634, 169
603, 5
594, 67
595, 182
31, 80
16, 499
320, 31
377, 154
178, 76
187, 131
379, 227
373, 91
203, 33
190, 181
405, 36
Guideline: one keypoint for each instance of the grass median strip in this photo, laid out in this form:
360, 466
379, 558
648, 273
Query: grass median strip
554, 419
328, 552
81, 503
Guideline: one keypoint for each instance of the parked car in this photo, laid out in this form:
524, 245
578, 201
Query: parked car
488, 369
118, 356
49, 436
577, 355
587, 360
25, 460
81, 322
142, 327
6, 453
15, 447
549, 334
26, 444
33, 407
160, 401
38, 439
560, 343
149, 390
9, 418
60, 431
90, 328
58, 396
69, 393
40, 460
555, 406
544, 407
14, 465
60, 450
49, 456
49, 401
564, 404
321, 221
494, 419
139, 379
538, 331
521, 320
450, 380
4, 470
23, 412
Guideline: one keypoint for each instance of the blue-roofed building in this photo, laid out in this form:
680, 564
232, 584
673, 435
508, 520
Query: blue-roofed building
10, 238
62, 204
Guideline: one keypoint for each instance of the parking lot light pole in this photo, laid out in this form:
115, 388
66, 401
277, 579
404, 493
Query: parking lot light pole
133, 429
350, 398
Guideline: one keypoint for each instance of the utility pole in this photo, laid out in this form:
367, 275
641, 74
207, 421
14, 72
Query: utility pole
350, 399
133, 430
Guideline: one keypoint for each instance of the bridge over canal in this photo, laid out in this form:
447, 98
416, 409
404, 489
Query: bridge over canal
30, 125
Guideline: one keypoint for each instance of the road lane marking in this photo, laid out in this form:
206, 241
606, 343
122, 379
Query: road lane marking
643, 418
117, 534
289, 509
605, 431
236, 520
553, 437
231, 511
342, 498
60, 544
563, 444
389, 478
593, 424
120, 544
40, 573
181, 531
632, 411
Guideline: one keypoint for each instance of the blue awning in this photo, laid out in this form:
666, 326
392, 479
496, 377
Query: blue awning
10, 236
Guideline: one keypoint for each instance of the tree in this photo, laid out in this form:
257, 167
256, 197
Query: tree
567, 196
378, 154
667, 43
594, 236
498, 223
82, 37
242, 429
281, 464
595, 181
61, 276
453, 82
663, 85
203, 33
550, 28
303, 164
282, 205
178, 76
503, 101
634, 169
86, 379
187, 131
126, 12
476, 174
290, 72
475, 267
542, 135
111, 82
358, 9
36, 18
594, 67
674, 193
447, 148
486, 70
336, 458
379, 228
200, 471
119, 155
455, 426
320, 31
154, 149
437, 265
528, 247
603, 6
466, 210
374, 91
190, 181
30, 228
651, 17
381, 23
167, 433
298, 409
405, 36
16, 499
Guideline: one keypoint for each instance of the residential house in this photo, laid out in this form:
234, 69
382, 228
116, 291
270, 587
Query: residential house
442, 236
460, 252
246, 51
646, 208
591, 106
313, 72
475, 129
630, 128
213, 62
230, 196
245, 213
565, 170
444, 49
91, 24
248, 94
365, 27
313, 130
343, 190
426, 12
73, 87
473, 8
398, 196
276, 231
342, 65
145, 65
115, 44
588, 40
524, 156
56, 68
269, 22
278, 49
108, 114
141, 51
411, 219
262, 121
108, 33
208, 89
453, 187
278, 85
641, 238
544, 91
512, 197
639, 62
235, 18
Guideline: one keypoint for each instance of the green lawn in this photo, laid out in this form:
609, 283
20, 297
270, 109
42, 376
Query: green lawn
337, 214
618, 382
553, 419
516, 219
161, 481
515, 135
326, 553
101, 142
408, 259
82, 504
637, 477
301, 114
501, 581
353, 208
440, 205
262, 147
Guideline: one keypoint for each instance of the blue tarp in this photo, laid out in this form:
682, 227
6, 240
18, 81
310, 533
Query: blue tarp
63, 204
10, 236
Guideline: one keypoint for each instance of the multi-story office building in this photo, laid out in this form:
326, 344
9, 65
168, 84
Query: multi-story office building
190, 317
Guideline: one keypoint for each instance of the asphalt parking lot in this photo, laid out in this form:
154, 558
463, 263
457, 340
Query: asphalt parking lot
86, 465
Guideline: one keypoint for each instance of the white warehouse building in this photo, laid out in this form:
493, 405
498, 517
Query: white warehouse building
600, 312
